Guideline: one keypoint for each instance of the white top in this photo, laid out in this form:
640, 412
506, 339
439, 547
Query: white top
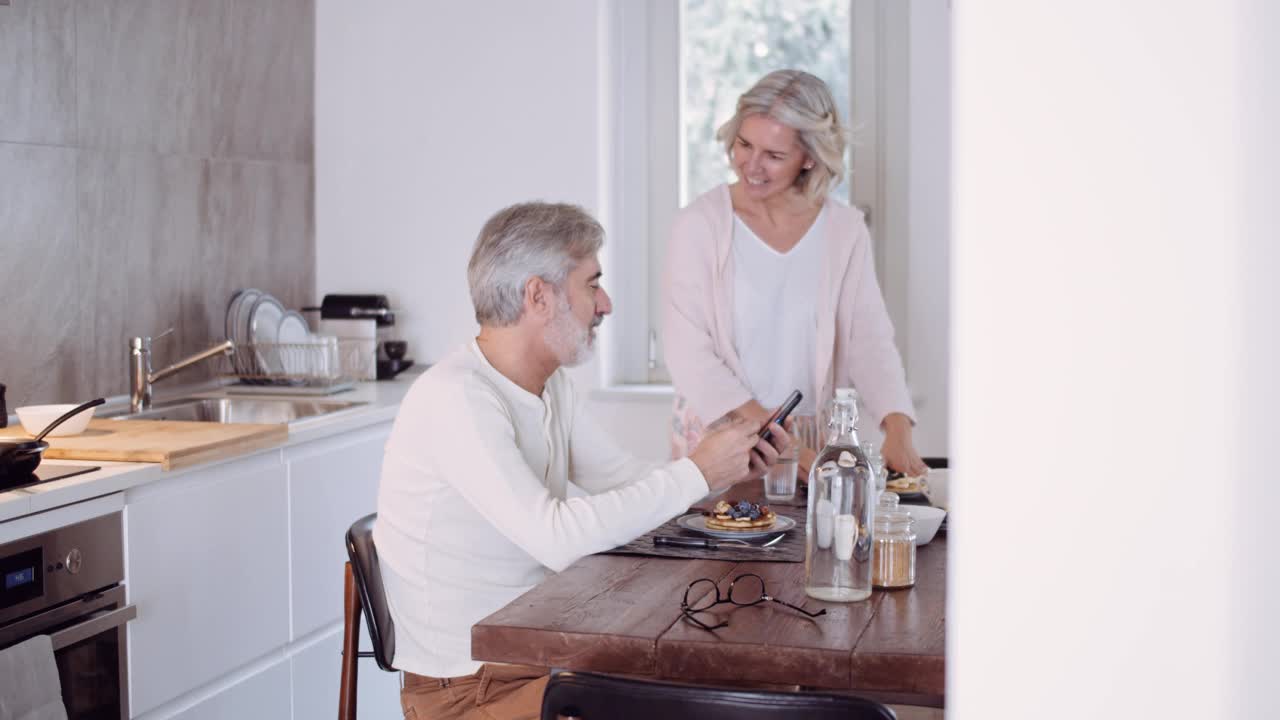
473, 508
775, 314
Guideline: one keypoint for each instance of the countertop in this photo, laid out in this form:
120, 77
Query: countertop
382, 400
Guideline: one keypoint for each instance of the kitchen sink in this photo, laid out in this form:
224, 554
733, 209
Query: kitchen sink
239, 410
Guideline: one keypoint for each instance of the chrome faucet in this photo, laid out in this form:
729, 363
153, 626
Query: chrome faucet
141, 376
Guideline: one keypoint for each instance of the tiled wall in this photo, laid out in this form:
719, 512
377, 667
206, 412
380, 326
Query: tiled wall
155, 155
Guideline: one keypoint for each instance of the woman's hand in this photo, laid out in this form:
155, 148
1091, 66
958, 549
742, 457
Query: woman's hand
898, 451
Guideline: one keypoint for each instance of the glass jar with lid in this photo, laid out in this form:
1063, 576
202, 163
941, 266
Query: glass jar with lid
878, 470
893, 557
888, 501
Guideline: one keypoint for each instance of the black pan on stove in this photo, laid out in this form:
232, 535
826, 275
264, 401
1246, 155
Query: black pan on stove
20, 458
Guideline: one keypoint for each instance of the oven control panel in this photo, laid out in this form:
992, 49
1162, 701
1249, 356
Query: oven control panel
59, 565
23, 577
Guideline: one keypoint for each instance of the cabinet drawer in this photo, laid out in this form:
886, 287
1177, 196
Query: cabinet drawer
208, 569
331, 485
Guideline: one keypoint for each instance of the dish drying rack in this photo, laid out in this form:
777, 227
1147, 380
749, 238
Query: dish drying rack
321, 366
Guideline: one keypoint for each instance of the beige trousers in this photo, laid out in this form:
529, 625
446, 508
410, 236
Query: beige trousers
494, 692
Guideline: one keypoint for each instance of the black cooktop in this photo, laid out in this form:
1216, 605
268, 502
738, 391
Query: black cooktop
47, 473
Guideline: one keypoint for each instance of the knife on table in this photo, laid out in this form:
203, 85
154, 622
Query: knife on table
709, 543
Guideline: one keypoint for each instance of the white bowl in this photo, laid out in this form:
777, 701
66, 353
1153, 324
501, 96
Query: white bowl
937, 488
927, 521
35, 418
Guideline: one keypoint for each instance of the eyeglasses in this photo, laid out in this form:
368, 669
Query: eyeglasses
745, 590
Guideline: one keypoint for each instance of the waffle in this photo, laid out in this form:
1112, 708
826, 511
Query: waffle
722, 517
905, 484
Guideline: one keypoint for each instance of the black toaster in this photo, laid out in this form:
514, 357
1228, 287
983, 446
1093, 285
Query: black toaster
347, 307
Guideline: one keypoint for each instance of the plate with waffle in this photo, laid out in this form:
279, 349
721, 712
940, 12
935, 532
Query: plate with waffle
737, 519
907, 487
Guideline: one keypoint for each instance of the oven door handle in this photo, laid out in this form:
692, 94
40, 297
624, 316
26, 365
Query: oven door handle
93, 626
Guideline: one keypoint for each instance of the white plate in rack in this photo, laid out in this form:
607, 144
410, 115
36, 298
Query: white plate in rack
293, 328
236, 322
228, 325
292, 331
244, 310
264, 326
264, 320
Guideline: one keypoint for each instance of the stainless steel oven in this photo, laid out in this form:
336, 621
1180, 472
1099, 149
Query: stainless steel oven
68, 584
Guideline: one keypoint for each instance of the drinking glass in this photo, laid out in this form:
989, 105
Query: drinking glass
780, 481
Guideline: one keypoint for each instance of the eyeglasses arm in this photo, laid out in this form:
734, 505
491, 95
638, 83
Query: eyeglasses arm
688, 615
797, 608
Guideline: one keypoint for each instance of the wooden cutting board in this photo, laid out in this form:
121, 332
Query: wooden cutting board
173, 443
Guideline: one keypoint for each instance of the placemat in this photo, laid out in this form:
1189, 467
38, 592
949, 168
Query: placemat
789, 549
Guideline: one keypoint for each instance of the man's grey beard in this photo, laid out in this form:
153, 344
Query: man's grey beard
570, 342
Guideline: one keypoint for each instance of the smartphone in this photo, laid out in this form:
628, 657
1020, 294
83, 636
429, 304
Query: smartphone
780, 416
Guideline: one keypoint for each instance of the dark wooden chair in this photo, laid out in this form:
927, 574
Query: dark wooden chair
363, 594
587, 696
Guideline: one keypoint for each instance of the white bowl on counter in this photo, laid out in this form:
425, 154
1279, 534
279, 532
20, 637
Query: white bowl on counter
35, 418
937, 488
927, 521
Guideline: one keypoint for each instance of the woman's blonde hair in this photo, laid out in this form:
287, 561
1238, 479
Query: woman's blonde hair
804, 103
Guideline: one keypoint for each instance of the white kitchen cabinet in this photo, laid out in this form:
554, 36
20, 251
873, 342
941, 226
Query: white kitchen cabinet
261, 696
236, 570
332, 483
378, 694
208, 569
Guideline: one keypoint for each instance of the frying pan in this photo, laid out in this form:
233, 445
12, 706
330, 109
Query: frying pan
20, 458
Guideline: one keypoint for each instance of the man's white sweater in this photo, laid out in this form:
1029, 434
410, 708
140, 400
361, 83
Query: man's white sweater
474, 508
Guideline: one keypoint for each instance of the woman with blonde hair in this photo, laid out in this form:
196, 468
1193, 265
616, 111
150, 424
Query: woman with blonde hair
770, 283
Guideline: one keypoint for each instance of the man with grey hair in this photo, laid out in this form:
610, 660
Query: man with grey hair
494, 477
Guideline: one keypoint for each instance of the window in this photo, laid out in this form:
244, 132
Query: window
674, 71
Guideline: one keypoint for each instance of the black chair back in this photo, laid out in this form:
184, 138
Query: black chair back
587, 696
373, 599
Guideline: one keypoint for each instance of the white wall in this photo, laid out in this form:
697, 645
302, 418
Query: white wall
928, 222
1115, 345
1254, 382
429, 118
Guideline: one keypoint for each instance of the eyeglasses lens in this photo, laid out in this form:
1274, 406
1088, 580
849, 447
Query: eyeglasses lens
746, 589
701, 595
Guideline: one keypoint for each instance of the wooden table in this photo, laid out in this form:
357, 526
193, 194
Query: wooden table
621, 614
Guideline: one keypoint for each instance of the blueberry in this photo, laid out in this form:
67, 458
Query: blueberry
755, 514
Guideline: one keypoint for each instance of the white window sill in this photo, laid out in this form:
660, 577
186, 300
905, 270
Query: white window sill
657, 393
637, 392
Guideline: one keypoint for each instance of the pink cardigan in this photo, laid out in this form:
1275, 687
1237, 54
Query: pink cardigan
855, 336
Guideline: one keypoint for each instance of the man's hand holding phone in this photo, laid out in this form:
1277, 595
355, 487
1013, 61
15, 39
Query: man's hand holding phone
775, 437
766, 452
